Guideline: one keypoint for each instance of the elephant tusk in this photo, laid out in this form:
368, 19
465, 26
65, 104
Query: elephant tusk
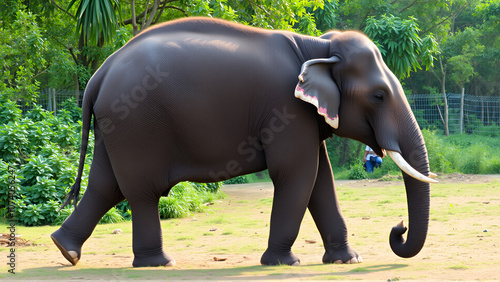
404, 166
432, 175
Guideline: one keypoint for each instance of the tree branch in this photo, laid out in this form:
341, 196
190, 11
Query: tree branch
60, 8
141, 15
178, 9
409, 6
70, 49
445, 19
145, 15
262, 8
156, 3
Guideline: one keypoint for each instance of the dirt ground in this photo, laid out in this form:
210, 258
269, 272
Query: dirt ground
445, 257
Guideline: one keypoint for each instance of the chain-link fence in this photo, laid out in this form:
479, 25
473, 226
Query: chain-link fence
54, 99
480, 114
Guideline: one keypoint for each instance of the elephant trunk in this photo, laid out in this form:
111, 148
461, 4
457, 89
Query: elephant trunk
418, 197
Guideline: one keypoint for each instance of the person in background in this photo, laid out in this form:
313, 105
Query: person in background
371, 160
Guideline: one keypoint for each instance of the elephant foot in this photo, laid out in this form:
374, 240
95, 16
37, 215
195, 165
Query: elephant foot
277, 258
158, 260
347, 255
69, 250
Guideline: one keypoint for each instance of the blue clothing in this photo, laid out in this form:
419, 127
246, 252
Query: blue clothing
373, 163
372, 160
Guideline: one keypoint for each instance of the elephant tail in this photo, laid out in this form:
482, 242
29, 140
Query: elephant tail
89, 98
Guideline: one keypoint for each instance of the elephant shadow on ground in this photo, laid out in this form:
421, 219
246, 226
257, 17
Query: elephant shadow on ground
256, 272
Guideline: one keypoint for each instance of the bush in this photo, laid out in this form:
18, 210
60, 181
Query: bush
463, 153
40, 149
238, 180
112, 216
9, 112
357, 171
474, 163
185, 198
436, 151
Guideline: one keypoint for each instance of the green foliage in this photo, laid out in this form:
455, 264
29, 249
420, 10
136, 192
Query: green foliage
96, 19
473, 154
357, 171
400, 43
112, 216
212, 187
238, 180
436, 151
13, 141
71, 109
8, 179
9, 112
22, 49
294, 15
185, 198
40, 149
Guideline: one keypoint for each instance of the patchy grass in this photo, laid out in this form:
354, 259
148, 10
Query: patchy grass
462, 242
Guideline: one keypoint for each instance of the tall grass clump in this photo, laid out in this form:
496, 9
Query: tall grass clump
186, 198
470, 154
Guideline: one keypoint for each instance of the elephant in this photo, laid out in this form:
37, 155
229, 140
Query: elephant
205, 100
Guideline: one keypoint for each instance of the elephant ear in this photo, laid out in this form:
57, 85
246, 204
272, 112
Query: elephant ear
316, 86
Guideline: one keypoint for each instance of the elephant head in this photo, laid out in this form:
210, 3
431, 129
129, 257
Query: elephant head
361, 99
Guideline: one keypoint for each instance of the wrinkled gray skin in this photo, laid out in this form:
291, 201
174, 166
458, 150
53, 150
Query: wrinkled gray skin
206, 100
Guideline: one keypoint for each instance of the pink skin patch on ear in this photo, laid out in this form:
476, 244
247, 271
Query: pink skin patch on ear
301, 94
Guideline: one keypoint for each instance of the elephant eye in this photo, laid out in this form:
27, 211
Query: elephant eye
378, 96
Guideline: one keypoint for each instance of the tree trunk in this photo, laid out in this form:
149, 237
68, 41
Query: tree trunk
135, 29
77, 89
445, 100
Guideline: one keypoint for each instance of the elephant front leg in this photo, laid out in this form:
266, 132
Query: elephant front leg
325, 210
292, 188
286, 216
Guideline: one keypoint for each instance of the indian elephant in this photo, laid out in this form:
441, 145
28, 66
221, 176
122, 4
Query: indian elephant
205, 100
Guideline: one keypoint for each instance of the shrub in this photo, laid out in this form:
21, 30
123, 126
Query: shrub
436, 151
14, 141
72, 110
212, 187
357, 171
42, 149
474, 162
238, 180
112, 216
171, 207
9, 112
33, 146
6, 178
185, 198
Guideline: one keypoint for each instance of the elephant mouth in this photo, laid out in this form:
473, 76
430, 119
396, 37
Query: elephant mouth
404, 166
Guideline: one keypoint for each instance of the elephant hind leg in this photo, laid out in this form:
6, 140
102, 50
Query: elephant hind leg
102, 193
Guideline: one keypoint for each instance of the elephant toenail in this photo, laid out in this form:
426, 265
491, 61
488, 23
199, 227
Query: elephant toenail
74, 256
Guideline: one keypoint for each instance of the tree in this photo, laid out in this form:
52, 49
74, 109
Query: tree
400, 44
22, 61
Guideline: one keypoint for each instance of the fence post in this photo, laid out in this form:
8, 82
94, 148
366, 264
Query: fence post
54, 104
462, 111
49, 100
